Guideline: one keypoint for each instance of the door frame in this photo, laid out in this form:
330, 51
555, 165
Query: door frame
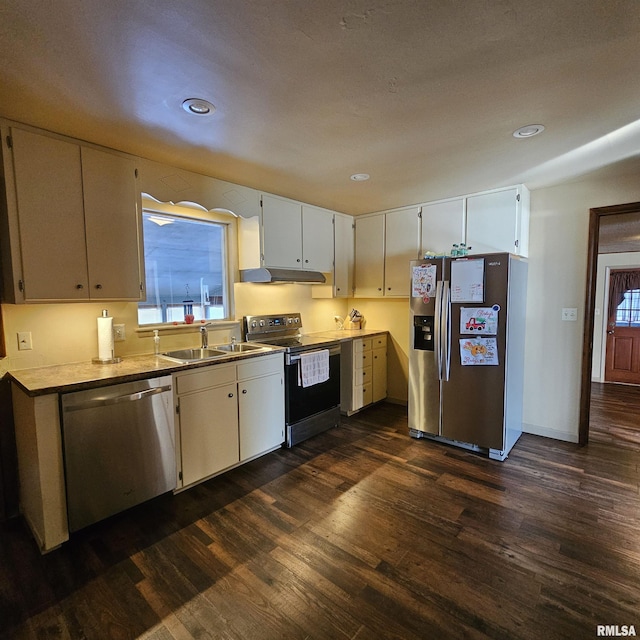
595, 214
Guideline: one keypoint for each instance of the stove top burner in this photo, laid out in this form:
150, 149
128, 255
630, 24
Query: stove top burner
282, 331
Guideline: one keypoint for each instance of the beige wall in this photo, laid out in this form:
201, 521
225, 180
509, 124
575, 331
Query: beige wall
63, 333
557, 277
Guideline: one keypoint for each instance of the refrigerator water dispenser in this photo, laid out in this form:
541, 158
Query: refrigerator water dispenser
423, 333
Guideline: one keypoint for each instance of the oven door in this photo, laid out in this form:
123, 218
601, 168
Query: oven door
302, 402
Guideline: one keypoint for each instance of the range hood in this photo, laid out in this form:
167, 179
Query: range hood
270, 274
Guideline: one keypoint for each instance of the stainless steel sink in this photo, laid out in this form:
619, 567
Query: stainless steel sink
194, 355
239, 347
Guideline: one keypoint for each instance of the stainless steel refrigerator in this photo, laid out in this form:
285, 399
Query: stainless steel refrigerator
466, 356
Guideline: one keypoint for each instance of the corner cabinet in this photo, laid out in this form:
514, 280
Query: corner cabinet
71, 221
227, 414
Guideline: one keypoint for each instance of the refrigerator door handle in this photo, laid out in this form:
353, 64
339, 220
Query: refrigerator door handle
446, 330
437, 329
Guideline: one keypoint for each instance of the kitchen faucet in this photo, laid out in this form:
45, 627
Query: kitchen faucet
204, 334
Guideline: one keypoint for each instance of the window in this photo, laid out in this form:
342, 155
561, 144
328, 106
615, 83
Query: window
186, 265
628, 312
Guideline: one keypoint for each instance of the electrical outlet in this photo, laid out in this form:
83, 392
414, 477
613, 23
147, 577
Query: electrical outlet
24, 341
119, 334
569, 315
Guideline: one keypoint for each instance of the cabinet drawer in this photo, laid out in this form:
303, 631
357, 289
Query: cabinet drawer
367, 397
364, 360
379, 342
261, 366
362, 344
362, 376
205, 378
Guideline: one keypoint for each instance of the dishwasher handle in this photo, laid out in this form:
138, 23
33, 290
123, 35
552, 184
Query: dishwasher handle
129, 397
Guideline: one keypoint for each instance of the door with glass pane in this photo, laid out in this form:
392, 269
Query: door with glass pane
623, 338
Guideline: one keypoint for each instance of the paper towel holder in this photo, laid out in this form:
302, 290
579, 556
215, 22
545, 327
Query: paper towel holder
113, 359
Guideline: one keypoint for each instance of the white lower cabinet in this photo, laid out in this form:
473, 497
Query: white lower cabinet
261, 410
364, 372
227, 414
208, 432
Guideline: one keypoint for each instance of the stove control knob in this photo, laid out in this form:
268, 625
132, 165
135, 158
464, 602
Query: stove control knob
289, 320
254, 324
262, 323
296, 320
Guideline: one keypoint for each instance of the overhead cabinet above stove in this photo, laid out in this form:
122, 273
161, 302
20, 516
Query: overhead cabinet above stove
70, 226
288, 235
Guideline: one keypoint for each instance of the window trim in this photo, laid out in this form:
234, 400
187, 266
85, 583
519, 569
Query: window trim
197, 212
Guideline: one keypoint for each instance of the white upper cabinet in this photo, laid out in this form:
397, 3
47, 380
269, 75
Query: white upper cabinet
112, 225
499, 221
296, 235
369, 257
343, 245
317, 239
443, 225
281, 233
402, 244
72, 221
385, 243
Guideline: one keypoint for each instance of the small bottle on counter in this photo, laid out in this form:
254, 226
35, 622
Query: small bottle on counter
156, 342
454, 251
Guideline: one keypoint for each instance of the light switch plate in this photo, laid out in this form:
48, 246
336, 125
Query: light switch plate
24, 341
569, 314
119, 334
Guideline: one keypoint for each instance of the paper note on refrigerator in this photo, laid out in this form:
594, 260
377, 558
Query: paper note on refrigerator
478, 351
479, 320
423, 281
467, 280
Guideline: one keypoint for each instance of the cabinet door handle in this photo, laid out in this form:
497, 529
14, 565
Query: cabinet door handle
244, 391
231, 395
98, 286
298, 260
79, 286
379, 288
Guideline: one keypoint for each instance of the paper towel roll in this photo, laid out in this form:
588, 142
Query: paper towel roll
105, 338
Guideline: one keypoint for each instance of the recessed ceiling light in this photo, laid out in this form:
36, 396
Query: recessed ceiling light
198, 107
359, 177
528, 131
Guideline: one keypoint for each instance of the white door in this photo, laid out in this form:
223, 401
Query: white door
48, 179
112, 226
369, 257
208, 432
443, 225
261, 410
317, 239
281, 233
492, 221
402, 244
343, 275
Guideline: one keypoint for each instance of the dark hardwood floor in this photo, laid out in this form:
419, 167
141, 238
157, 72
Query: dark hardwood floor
361, 533
615, 415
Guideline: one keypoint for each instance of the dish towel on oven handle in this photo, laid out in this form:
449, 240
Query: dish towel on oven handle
313, 368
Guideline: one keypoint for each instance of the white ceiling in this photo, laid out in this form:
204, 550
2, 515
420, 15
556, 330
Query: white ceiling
423, 95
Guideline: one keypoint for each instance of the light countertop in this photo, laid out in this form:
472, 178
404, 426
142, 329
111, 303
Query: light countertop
77, 376
64, 378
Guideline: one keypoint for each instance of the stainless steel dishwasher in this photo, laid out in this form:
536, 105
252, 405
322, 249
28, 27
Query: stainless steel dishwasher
119, 448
